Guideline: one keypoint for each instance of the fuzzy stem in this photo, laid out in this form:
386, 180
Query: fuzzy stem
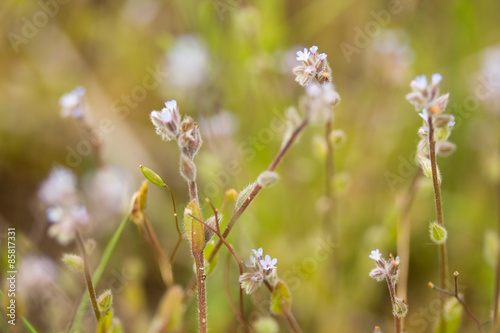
200, 284
236, 214
392, 293
88, 278
443, 263
193, 190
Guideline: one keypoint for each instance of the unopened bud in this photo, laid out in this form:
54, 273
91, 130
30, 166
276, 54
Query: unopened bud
243, 196
267, 178
105, 300
73, 261
378, 274
442, 120
338, 137
190, 139
231, 195
399, 308
445, 148
187, 168
438, 233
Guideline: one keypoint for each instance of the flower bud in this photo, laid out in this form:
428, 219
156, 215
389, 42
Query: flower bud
399, 308
445, 148
438, 233
267, 178
266, 325
190, 138
442, 120
243, 196
337, 137
73, 261
105, 300
378, 274
251, 281
187, 168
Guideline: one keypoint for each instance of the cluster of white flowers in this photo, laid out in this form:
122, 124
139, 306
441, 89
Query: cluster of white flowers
264, 268
63, 205
73, 103
314, 67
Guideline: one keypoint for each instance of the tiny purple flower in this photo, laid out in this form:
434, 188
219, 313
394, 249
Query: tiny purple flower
322, 56
314, 49
267, 263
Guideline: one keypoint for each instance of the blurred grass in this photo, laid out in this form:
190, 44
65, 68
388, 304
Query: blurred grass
106, 47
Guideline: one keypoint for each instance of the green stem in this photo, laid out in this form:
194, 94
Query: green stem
88, 278
80, 313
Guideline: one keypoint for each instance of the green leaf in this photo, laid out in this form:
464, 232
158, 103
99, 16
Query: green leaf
281, 299
194, 228
104, 325
28, 325
82, 308
152, 176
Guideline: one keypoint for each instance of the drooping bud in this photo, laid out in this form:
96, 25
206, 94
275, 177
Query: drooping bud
438, 233
267, 178
152, 176
445, 148
138, 204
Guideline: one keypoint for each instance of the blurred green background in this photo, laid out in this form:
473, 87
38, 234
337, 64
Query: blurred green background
234, 58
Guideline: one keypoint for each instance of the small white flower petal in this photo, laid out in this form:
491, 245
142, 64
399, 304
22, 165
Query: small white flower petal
375, 255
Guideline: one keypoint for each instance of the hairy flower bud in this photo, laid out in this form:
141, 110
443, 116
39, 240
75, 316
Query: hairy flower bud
190, 138
267, 178
438, 233
187, 168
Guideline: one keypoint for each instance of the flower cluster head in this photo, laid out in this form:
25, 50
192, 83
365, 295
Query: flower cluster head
426, 96
73, 103
426, 99
186, 132
314, 67
63, 208
264, 268
386, 269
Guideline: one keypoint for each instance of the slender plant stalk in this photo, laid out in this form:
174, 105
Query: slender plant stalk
88, 278
455, 294
392, 293
202, 293
237, 213
330, 220
238, 312
106, 256
497, 278
163, 261
193, 191
443, 262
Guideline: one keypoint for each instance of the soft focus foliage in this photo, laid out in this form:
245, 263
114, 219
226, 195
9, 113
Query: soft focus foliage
228, 64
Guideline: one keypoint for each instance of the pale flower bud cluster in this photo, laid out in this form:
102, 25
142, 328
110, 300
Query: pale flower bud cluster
314, 67
264, 269
169, 126
389, 270
73, 103
63, 204
425, 97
